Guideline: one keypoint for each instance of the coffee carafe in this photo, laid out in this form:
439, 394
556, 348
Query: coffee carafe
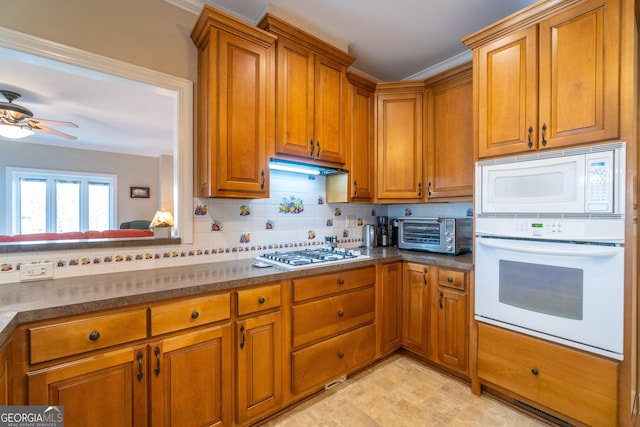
383, 230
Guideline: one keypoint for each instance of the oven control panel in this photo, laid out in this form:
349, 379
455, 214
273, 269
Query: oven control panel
580, 229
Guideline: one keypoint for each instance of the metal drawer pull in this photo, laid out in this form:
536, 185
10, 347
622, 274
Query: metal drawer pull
195, 315
157, 353
340, 281
341, 355
140, 374
261, 300
441, 299
242, 339
449, 279
93, 336
341, 313
534, 371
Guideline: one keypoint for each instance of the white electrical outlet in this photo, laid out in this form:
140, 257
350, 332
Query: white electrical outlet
351, 220
36, 271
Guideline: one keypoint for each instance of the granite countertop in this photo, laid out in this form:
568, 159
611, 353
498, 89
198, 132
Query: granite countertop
47, 299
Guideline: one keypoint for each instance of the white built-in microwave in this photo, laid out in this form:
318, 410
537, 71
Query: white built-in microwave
583, 181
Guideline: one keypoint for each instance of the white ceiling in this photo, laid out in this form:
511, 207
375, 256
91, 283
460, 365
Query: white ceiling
391, 41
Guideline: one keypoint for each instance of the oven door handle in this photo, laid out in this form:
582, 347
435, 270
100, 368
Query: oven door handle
575, 250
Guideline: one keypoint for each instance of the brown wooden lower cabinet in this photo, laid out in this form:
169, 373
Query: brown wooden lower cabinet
452, 322
109, 389
417, 280
579, 385
436, 315
316, 365
389, 305
189, 378
259, 366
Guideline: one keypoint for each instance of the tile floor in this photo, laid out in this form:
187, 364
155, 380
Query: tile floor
402, 392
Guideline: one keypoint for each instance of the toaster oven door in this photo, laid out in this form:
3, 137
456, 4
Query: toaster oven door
422, 234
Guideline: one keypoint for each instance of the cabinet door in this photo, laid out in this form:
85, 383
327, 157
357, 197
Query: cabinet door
259, 366
507, 79
234, 113
361, 185
415, 307
400, 146
331, 92
390, 307
295, 100
243, 116
450, 138
108, 389
452, 329
190, 379
579, 75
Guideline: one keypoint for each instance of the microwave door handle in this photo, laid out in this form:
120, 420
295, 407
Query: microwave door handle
575, 250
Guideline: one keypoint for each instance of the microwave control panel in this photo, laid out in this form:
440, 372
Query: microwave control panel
599, 180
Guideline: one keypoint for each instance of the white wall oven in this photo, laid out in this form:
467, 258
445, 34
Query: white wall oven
549, 247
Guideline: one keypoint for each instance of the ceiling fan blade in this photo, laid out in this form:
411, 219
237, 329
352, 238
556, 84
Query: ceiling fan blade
41, 128
34, 121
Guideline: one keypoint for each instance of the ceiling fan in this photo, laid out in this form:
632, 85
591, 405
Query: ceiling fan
19, 122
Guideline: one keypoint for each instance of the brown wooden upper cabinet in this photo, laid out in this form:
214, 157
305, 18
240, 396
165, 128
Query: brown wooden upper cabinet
400, 144
312, 96
362, 151
449, 130
236, 63
548, 77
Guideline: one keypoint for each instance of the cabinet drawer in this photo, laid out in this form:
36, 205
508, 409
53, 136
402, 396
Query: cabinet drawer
262, 298
568, 381
318, 364
78, 336
188, 313
451, 279
321, 318
327, 284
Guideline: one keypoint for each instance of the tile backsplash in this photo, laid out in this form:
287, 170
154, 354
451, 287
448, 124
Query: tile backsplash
296, 215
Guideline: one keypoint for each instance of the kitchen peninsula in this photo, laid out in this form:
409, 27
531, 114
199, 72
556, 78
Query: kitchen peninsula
78, 330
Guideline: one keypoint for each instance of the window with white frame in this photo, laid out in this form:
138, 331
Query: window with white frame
59, 201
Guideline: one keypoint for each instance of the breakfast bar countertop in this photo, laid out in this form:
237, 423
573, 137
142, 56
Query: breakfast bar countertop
23, 302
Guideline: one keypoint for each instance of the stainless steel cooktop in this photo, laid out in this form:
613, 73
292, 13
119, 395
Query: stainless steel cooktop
309, 257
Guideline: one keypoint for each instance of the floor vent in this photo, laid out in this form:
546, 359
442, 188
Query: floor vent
542, 414
332, 384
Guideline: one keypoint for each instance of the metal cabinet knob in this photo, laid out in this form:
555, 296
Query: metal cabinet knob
195, 315
261, 300
93, 336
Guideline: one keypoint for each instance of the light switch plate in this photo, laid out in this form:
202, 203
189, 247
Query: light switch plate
36, 271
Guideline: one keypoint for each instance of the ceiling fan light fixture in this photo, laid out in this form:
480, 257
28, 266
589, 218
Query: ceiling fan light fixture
15, 132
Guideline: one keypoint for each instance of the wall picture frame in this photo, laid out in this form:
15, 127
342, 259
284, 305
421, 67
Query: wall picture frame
139, 192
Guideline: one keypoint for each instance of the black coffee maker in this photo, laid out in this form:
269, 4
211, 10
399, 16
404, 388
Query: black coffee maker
382, 230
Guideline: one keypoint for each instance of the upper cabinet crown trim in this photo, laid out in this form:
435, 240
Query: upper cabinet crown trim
531, 15
281, 28
213, 17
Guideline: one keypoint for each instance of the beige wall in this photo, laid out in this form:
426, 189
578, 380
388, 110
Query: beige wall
137, 171
149, 33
